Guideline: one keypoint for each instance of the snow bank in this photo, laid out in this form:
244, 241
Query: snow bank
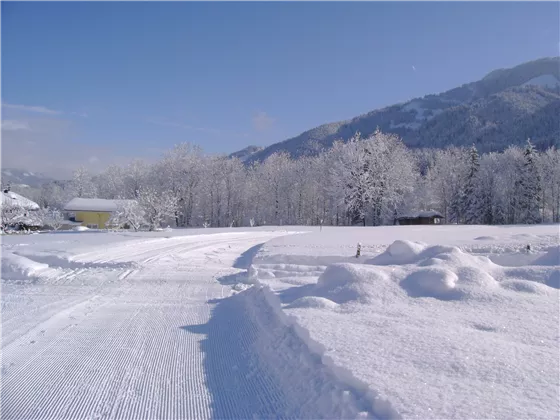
80, 228
16, 267
310, 378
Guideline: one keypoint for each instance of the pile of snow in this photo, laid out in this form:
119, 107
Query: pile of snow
420, 317
17, 267
315, 385
80, 228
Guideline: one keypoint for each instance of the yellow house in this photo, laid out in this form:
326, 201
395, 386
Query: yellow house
93, 213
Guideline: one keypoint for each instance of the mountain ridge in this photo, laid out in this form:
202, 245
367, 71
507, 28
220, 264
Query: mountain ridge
503, 108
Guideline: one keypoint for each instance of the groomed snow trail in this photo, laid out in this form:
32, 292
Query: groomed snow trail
158, 337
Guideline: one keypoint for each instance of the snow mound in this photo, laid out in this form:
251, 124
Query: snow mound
485, 238
313, 302
16, 267
441, 272
552, 257
399, 252
434, 282
345, 282
526, 286
80, 228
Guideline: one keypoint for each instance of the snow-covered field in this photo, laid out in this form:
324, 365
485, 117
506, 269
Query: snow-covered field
282, 322
462, 325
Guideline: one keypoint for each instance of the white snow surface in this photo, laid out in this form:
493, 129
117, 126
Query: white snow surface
13, 199
438, 322
93, 204
159, 325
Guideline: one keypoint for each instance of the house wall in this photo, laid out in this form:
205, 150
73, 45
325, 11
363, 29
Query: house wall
98, 218
419, 221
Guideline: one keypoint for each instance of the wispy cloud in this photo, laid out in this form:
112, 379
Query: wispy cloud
167, 123
15, 125
36, 109
262, 121
414, 68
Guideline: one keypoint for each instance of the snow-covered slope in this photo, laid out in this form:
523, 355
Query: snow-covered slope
505, 107
546, 80
246, 153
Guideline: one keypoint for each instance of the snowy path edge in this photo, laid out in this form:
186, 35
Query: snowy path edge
366, 397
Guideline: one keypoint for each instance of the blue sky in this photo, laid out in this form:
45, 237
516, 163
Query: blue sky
126, 79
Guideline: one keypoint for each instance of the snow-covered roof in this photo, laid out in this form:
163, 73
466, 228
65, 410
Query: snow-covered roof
10, 198
93, 204
426, 213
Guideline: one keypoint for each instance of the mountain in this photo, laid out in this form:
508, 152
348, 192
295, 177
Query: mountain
504, 108
246, 153
23, 178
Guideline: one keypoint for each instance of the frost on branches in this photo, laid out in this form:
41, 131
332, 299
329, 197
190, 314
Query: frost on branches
158, 206
365, 181
129, 215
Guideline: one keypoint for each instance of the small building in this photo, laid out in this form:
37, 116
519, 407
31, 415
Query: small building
93, 213
430, 217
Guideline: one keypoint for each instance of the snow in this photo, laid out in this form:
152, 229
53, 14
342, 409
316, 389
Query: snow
17, 267
92, 204
429, 322
11, 198
432, 308
148, 325
546, 80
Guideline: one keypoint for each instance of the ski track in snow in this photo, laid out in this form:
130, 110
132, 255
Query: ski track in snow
155, 340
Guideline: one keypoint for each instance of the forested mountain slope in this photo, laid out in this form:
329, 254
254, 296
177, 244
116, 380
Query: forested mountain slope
504, 108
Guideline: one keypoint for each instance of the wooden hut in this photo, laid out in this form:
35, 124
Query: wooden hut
421, 218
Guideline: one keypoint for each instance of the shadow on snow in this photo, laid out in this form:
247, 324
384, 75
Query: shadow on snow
240, 388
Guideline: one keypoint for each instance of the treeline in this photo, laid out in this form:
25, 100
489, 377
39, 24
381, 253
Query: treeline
363, 181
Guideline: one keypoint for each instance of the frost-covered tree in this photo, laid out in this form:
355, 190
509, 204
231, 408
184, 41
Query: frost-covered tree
110, 183
548, 165
473, 197
158, 206
82, 185
350, 177
51, 217
365, 181
529, 188
446, 180
129, 214
136, 175
182, 171
371, 177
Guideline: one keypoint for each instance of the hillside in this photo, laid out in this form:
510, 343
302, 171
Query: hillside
504, 108
246, 153
23, 178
